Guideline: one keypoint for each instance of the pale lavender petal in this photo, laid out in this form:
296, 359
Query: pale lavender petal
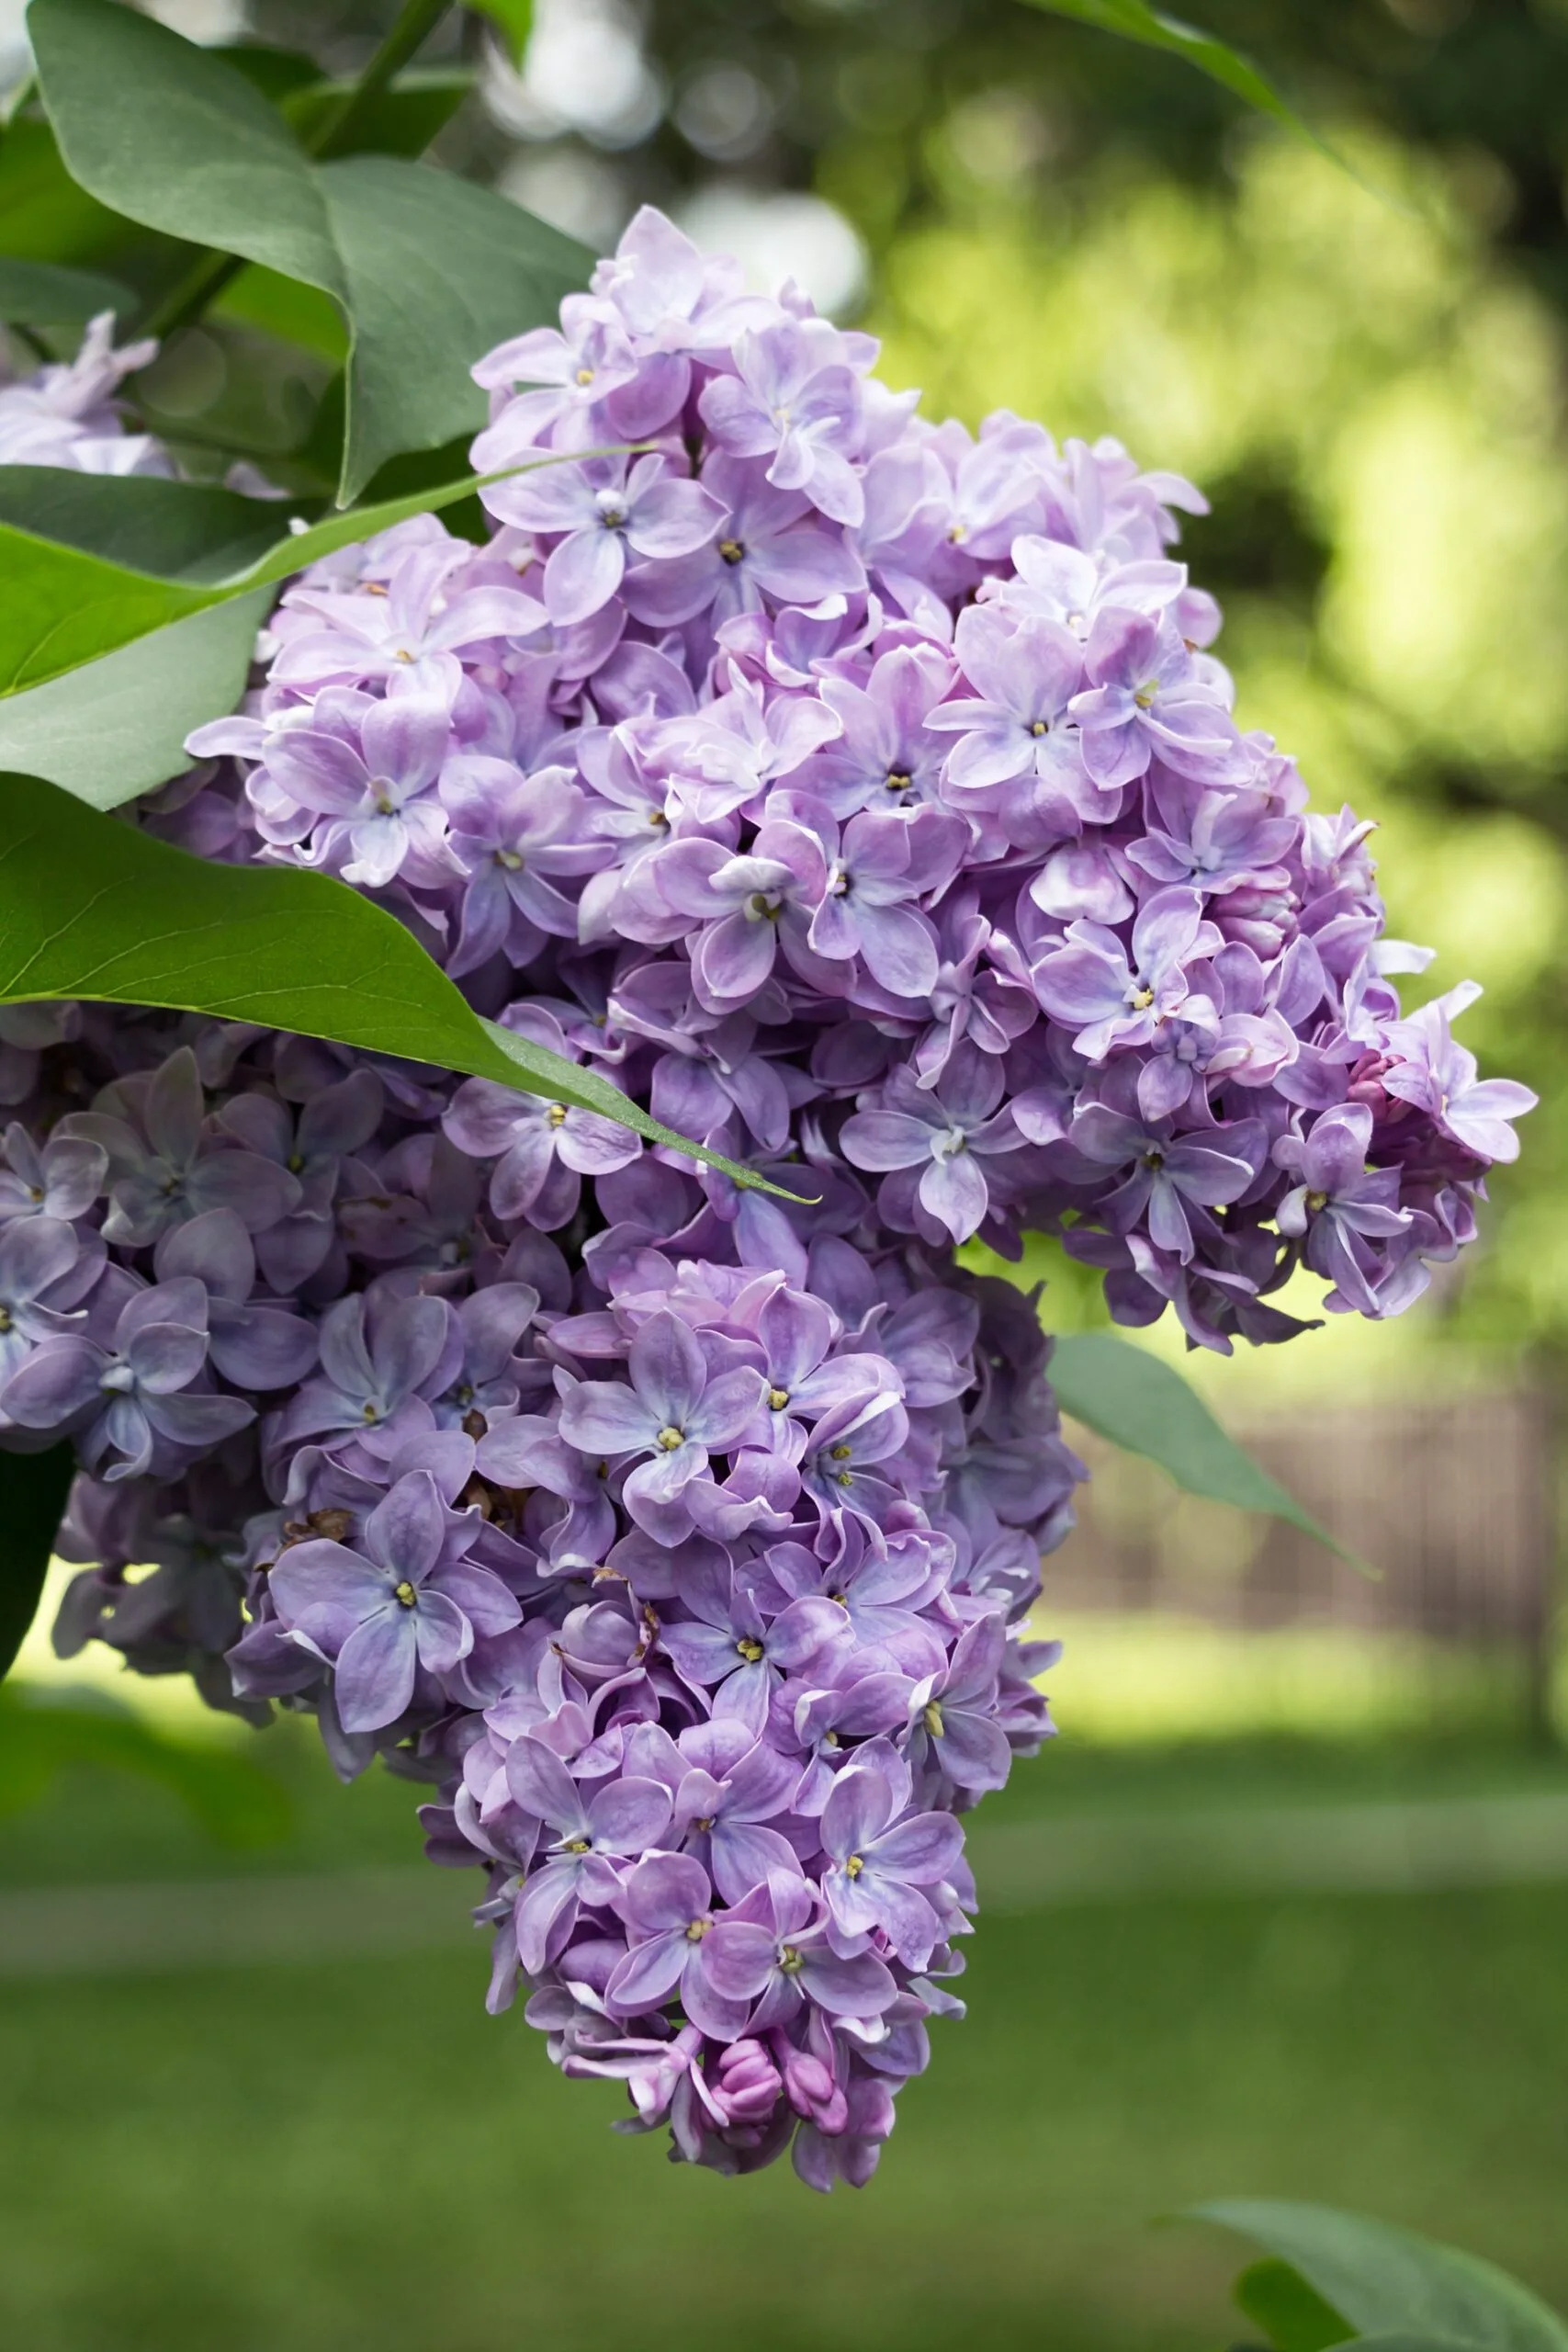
376, 1670
582, 575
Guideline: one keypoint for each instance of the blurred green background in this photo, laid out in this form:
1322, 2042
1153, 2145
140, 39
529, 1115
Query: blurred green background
336, 2148
330, 2145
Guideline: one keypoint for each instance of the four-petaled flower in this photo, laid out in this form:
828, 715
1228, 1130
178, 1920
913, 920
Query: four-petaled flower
606, 515
673, 1414
947, 1132
883, 1856
406, 1597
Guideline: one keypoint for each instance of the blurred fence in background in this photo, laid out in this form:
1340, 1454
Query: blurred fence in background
1452, 1501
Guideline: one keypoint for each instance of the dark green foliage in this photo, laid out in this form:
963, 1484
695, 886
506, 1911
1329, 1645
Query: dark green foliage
428, 271
1392, 2287
33, 1487
100, 912
1291, 2315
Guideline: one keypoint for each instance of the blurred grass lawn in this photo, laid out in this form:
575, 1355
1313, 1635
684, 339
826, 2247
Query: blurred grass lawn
353, 2156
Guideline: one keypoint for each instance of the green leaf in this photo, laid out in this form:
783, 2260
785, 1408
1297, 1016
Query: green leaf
429, 270
44, 216
1136, 20
202, 151
117, 727
90, 908
1140, 1403
191, 532
1391, 2283
292, 313
1403, 2339
33, 1487
277, 73
400, 120
44, 1733
439, 272
513, 20
63, 606
1292, 2316
43, 294
98, 580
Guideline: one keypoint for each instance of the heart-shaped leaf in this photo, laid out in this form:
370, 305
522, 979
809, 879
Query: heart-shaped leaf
1142, 1404
63, 606
429, 270
193, 533
1391, 2284
117, 727
96, 562
33, 1487
1291, 2315
92, 907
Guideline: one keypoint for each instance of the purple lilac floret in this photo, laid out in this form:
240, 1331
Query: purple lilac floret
861, 795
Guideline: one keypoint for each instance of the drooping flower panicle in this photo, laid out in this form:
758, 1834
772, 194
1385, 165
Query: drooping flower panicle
861, 795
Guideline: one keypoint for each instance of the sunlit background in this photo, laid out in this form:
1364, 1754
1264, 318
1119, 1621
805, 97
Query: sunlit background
1284, 1910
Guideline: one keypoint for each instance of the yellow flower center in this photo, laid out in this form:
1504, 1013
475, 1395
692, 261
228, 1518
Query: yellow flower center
933, 1719
777, 1399
405, 1593
670, 1437
751, 1651
854, 1866
556, 1115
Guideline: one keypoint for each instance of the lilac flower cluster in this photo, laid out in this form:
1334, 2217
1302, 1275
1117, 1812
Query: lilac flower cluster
861, 796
